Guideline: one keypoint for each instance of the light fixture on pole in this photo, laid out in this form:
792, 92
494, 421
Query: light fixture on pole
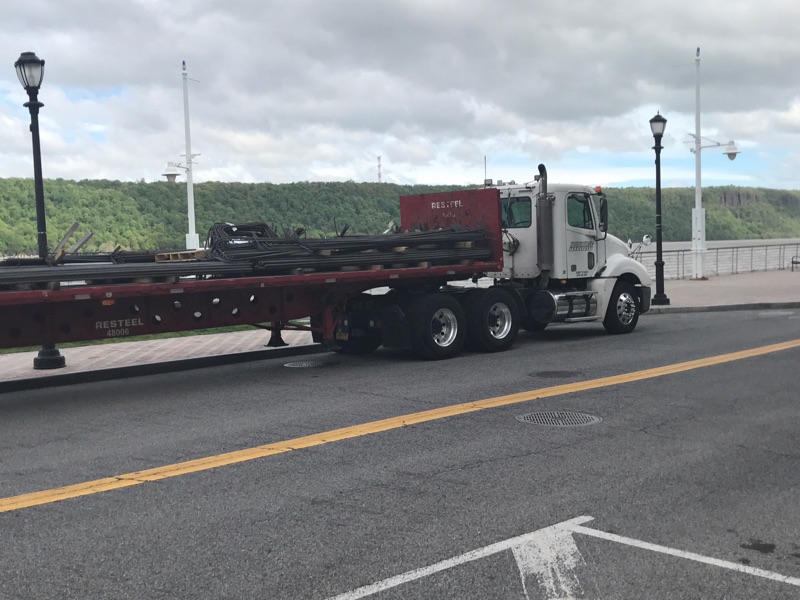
30, 71
698, 212
171, 171
657, 125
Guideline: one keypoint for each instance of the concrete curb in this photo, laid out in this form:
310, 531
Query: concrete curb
172, 366
657, 310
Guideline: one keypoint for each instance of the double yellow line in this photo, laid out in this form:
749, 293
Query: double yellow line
229, 458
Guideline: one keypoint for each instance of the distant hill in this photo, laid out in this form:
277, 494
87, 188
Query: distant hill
732, 213
152, 216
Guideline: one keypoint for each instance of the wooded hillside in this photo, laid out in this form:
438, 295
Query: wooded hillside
152, 216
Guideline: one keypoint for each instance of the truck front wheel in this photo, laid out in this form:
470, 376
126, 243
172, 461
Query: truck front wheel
623, 309
492, 320
437, 326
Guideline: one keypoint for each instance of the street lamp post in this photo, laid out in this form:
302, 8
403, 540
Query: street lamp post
698, 212
657, 126
30, 71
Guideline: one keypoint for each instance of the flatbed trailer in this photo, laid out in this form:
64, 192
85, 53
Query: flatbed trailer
137, 299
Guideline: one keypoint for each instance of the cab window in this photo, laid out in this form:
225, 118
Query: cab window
516, 212
579, 212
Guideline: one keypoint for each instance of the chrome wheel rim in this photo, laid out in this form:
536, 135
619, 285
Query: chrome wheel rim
626, 308
499, 320
444, 327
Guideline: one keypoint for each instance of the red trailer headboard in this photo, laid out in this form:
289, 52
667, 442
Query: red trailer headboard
468, 209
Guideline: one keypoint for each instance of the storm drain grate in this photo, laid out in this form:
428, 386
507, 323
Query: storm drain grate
305, 364
559, 418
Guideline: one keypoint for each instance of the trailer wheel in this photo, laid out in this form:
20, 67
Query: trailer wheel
623, 309
437, 326
492, 320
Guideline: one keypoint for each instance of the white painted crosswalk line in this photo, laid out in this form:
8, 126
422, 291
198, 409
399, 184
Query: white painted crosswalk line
550, 561
679, 553
444, 565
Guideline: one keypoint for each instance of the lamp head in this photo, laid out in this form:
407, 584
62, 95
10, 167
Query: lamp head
657, 125
731, 150
30, 71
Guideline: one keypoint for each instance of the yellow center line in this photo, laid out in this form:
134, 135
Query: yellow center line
229, 458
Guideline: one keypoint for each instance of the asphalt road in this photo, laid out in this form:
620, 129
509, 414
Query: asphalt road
690, 484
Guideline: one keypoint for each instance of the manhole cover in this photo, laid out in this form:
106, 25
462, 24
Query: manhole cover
304, 364
555, 374
559, 418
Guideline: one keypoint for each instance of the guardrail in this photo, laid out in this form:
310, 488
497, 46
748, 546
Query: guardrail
727, 260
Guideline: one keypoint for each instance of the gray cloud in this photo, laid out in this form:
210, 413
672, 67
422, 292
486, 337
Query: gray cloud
292, 90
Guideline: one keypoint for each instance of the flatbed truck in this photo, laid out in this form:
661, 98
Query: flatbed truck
537, 255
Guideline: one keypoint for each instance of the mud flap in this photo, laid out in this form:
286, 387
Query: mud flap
395, 329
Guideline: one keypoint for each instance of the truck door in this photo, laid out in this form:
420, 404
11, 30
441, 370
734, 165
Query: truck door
519, 258
600, 208
585, 252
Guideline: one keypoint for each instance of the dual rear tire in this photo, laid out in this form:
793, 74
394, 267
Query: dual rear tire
438, 326
492, 320
488, 321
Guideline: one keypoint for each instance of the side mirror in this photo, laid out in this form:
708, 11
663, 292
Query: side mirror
647, 240
604, 214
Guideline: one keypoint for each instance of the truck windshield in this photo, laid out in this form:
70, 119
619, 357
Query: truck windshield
516, 212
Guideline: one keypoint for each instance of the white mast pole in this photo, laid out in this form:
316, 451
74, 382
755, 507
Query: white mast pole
698, 213
192, 239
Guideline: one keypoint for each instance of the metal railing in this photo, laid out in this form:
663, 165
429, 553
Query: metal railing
724, 260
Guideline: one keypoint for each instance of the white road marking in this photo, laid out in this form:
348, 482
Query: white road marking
680, 553
549, 557
550, 561
470, 556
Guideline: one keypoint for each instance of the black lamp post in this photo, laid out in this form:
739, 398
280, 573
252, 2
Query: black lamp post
30, 70
657, 126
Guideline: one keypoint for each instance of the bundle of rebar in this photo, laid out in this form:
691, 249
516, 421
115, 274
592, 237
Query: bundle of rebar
257, 244
255, 249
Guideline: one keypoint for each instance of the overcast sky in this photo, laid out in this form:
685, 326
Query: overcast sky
316, 90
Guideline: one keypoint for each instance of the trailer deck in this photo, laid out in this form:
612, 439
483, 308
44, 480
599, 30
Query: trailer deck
250, 279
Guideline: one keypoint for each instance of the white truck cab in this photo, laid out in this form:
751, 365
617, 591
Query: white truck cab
561, 260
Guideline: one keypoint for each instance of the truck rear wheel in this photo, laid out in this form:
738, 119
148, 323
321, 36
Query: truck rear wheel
437, 326
622, 314
492, 320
